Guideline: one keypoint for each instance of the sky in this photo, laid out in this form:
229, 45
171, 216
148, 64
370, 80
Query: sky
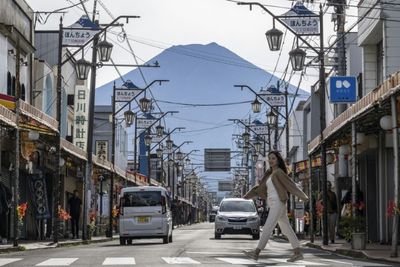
165, 23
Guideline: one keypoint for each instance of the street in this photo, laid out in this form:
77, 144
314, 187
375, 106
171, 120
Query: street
191, 245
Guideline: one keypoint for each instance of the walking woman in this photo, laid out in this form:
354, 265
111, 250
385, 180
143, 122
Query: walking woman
274, 186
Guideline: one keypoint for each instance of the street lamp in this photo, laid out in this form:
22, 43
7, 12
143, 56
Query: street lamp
257, 146
169, 143
179, 155
129, 117
104, 49
297, 57
245, 149
246, 137
147, 139
256, 106
274, 38
82, 68
145, 104
187, 161
254, 157
159, 152
272, 117
160, 130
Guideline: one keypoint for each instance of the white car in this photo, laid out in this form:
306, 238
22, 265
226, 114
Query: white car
237, 216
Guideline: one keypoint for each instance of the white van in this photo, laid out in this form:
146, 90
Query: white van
145, 213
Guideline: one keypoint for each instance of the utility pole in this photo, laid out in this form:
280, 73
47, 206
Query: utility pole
17, 146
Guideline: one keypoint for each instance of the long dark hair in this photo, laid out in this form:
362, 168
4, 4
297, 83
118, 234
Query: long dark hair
281, 162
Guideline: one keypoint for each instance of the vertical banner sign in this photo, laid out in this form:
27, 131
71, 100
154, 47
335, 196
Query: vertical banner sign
81, 116
37, 187
102, 149
80, 32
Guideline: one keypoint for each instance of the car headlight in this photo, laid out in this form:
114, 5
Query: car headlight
221, 218
253, 219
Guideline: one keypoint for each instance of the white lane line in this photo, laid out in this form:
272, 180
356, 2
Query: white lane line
57, 262
179, 260
237, 261
215, 253
5, 261
119, 261
356, 263
302, 262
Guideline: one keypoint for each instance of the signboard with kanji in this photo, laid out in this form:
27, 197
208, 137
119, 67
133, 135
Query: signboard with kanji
260, 129
102, 149
81, 108
126, 95
144, 123
275, 100
300, 19
80, 32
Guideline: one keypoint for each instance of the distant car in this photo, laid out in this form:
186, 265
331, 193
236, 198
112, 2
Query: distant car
212, 215
237, 216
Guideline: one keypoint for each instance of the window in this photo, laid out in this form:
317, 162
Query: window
23, 93
142, 199
9, 84
243, 206
47, 97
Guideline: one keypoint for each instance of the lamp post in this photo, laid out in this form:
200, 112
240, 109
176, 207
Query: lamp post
297, 62
82, 69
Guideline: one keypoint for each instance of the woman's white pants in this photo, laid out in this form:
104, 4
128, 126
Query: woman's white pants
277, 214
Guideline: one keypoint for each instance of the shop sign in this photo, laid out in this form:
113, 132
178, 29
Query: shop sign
301, 20
126, 95
8, 101
275, 100
81, 112
145, 123
260, 129
80, 32
38, 190
102, 149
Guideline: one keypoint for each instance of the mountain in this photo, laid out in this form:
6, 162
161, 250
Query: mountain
201, 74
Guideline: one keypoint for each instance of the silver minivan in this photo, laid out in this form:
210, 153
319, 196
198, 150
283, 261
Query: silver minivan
145, 213
237, 216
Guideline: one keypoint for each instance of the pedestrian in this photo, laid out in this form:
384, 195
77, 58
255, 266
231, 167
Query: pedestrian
332, 211
189, 219
274, 186
75, 204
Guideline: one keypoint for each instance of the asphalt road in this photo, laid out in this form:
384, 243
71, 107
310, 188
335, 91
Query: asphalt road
192, 245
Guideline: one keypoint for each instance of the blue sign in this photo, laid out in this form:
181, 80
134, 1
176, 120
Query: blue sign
343, 89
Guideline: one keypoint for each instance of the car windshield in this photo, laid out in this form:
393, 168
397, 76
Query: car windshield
242, 206
141, 199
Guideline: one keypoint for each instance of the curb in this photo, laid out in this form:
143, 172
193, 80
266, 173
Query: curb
59, 245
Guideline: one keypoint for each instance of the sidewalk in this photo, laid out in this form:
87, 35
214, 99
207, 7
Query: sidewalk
32, 245
374, 251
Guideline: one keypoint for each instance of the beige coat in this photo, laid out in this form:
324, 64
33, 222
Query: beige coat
283, 184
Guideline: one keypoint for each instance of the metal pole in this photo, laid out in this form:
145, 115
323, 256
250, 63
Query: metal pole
323, 173
396, 173
17, 145
135, 151
148, 161
341, 48
287, 123
89, 145
110, 195
311, 211
57, 178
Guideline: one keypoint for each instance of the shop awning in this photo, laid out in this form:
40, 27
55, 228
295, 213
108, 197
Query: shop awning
105, 164
38, 115
73, 150
379, 94
7, 116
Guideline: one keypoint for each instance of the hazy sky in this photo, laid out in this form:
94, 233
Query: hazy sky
164, 23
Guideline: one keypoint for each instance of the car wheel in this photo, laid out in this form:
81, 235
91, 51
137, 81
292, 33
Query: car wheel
256, 236
217, 236
170, 238
122, 241
129, 241
165, 240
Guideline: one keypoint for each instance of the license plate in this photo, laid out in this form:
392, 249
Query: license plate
237, 227
143, 219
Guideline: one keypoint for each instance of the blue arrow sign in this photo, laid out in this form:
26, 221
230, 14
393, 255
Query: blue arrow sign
343, 89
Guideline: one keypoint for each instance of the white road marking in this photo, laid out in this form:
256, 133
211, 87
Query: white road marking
5, 261
119, 261
237, 261
57, 262
355, 263
215, 253
179, 260
302, 262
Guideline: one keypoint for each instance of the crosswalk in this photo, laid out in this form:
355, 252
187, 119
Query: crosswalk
130, 261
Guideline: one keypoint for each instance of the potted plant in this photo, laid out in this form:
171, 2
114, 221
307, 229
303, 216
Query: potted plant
64, 216
352, 228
